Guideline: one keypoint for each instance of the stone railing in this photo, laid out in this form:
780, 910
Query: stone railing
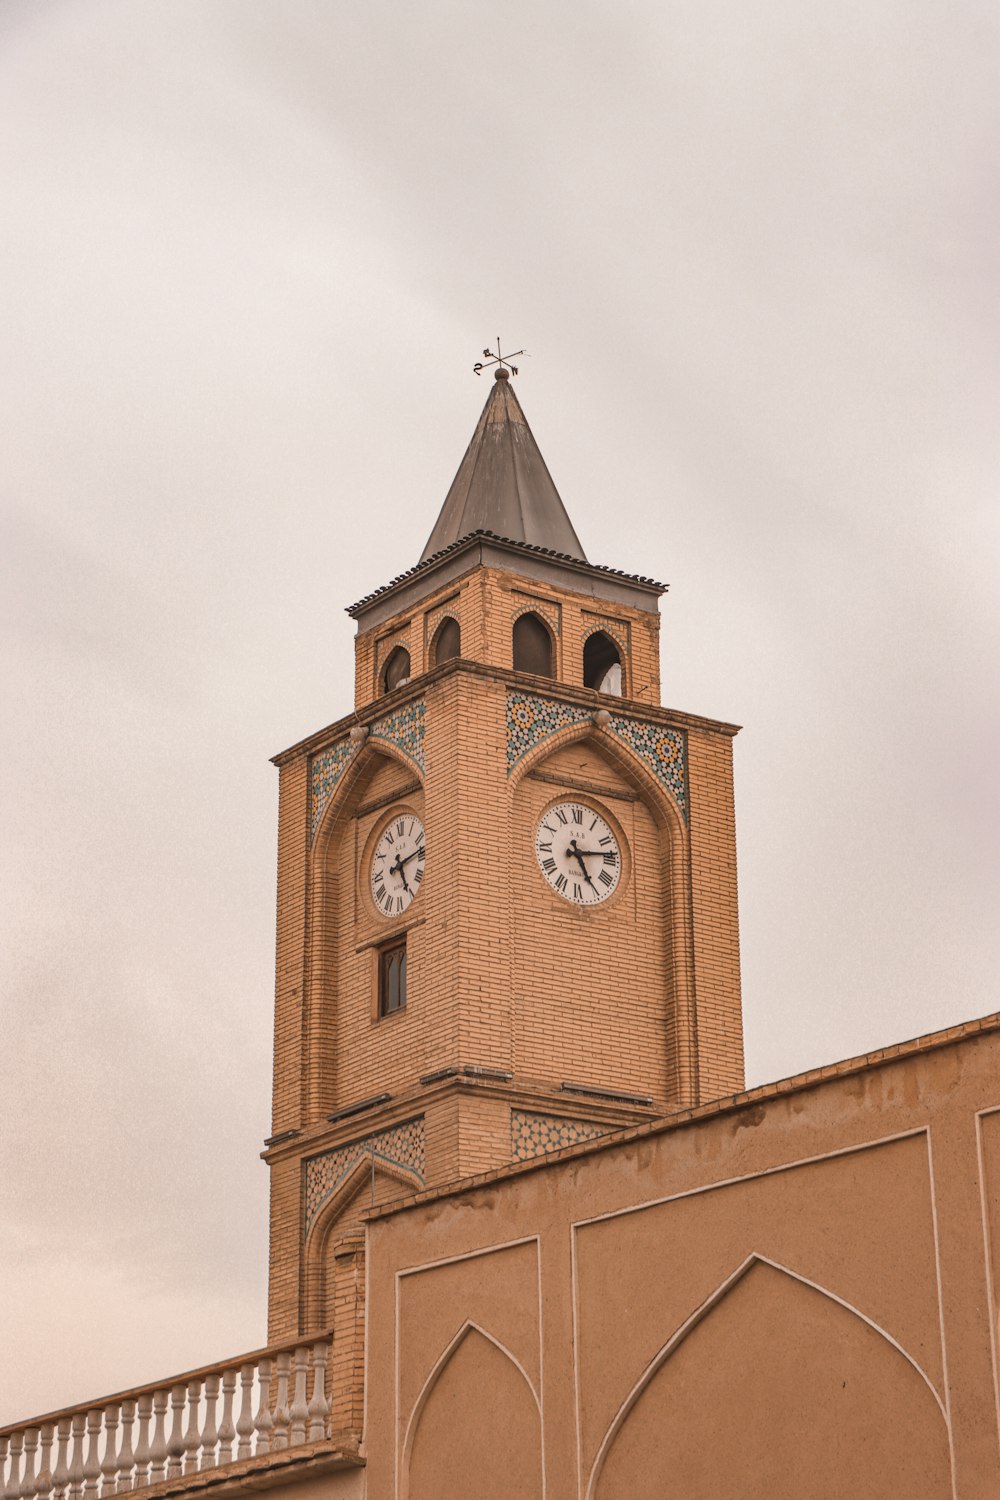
260, 1403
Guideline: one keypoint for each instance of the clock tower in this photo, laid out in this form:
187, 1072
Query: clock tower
507, 913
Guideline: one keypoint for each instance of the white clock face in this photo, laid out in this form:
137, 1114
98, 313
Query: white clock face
398, 864
578, 854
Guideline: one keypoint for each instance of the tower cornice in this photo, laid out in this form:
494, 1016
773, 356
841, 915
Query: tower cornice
484, 548
542, 687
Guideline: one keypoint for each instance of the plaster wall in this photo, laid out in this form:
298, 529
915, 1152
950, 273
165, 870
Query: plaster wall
789, 1294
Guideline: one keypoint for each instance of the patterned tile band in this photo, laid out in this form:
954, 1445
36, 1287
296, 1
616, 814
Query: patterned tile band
533, 1135
402, 1146
531, 719
663, 750
404, 729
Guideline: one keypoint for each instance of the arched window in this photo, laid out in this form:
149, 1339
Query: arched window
396, 670
532, 646
602, 664
447, 641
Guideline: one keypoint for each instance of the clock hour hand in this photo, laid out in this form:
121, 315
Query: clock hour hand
397, 869
578, 856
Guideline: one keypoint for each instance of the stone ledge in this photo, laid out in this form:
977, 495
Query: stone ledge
289, 1466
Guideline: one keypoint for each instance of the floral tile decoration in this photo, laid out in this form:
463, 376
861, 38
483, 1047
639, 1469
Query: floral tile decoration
325, 771
663, 750
533, 1135
401, 1146
531, 719
403, 728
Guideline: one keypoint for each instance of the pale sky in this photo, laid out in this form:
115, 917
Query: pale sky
249, 251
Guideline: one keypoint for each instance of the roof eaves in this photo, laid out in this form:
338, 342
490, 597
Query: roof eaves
561, 557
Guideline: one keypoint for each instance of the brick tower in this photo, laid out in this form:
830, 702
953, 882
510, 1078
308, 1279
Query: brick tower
506, 882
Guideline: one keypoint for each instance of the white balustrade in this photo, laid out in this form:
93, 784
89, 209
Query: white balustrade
270, 1401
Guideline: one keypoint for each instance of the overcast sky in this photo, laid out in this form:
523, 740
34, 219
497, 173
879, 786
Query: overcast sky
249, 252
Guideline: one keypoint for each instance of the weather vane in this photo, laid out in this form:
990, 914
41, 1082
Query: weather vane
489, 358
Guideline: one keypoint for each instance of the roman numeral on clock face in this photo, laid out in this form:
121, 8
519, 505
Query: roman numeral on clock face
397, 864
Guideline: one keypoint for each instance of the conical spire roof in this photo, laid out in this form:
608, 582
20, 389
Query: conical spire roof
502, 485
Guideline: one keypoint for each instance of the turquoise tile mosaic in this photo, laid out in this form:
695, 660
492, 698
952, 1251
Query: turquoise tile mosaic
531, 719
533, 1135
402, 1146
404, 728
325, 771
663, 750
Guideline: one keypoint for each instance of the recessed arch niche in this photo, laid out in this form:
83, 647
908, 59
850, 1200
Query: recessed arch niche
532, 645
341, 920
476, 1429
603, 667
777, 1389
446, 643
601, 994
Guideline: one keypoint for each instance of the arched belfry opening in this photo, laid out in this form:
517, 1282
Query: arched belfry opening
602, 665
533, 646
447, 642
396, 670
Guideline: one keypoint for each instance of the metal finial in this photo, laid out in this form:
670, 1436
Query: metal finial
503, 361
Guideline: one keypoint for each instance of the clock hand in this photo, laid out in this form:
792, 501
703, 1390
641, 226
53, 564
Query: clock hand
406, 861
578, 856
397, 869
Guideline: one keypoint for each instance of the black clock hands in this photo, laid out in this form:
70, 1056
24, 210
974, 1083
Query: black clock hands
399, 868
578, 855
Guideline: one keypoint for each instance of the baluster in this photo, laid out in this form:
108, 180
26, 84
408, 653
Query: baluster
12, 1489
175, 1443
280, 1438
28, 1485
319, 1406
126, 1458
60, 1476
210, 1433
192, 1441
76, 1462
158, 1454
263, 1422
4, 1446
143, 1452
298, 1412
244, 1422
92, 1464
44, 1482
109, 1467
226, 1429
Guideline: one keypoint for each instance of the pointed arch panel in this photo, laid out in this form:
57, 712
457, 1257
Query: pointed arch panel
780, 1389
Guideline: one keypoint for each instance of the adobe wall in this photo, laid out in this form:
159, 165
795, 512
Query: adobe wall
789, 1294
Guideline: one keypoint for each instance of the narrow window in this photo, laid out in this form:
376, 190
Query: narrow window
532, 646
396, 670
602, 664
447, 641
392, 978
